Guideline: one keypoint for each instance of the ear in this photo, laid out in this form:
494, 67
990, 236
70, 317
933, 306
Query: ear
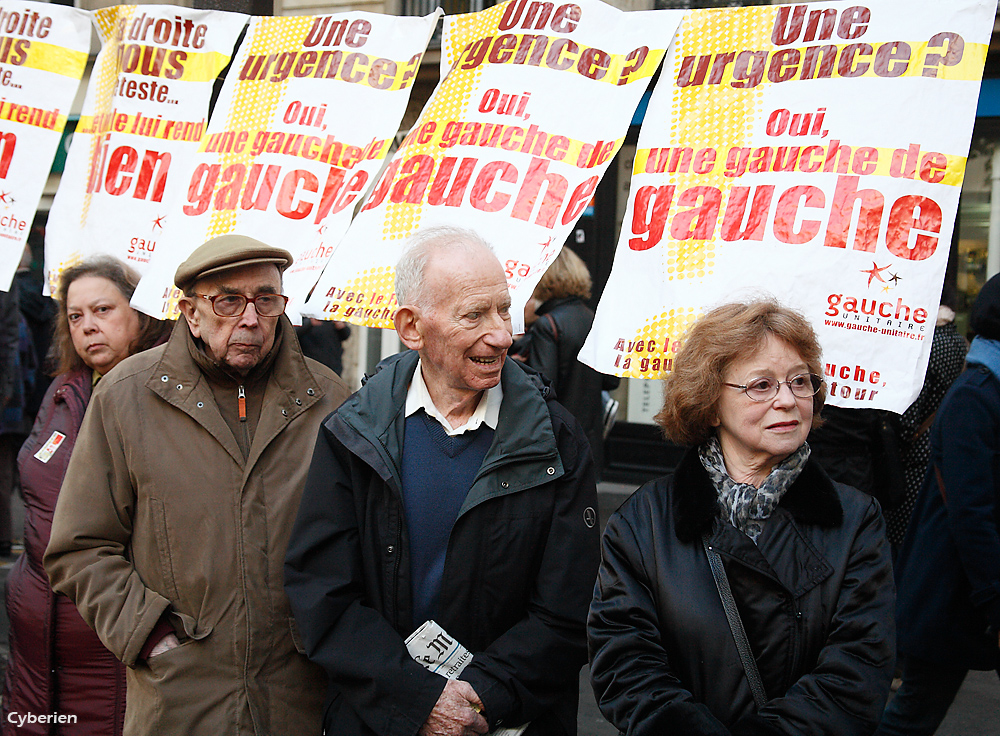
407, 321
190, 312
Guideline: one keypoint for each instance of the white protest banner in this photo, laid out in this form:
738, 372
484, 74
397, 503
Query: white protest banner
511, 144
142, 119
304, 122
43, 52
811, 152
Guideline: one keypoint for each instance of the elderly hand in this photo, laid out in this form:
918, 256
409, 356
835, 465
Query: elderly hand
164, 645
454, 714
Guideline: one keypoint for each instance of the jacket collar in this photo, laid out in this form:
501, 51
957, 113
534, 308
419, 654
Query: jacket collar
291, 389
811, 499
524, 440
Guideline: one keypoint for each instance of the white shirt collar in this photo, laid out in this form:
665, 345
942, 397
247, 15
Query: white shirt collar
488, 411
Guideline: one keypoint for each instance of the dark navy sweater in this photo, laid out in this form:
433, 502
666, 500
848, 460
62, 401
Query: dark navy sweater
438, 472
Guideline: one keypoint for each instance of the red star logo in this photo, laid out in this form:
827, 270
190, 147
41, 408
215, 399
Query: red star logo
3, 197
875, 272
158, 222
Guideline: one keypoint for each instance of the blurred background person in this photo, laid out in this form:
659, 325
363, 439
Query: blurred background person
39, 311
57, 664
805, 558
947, 360
559, 320
949, 565
324, 341
15, 385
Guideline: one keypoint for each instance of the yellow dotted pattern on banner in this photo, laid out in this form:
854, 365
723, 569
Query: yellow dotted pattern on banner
447, 103
719, 116
665, 330
712, 115
108, 21
254, 102
372, 299
55, 274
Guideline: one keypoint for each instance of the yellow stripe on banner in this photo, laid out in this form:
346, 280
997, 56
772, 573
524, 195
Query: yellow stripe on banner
829, 157
203, 67
746, 69
442, 135
48, 57
34, 116
561, 54
142, 125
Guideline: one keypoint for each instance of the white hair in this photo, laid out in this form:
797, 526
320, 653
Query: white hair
420, 247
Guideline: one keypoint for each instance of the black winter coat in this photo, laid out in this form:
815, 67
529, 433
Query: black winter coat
815, 596
518, 574
949, 579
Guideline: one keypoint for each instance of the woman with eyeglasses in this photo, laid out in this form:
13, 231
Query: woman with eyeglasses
748, 534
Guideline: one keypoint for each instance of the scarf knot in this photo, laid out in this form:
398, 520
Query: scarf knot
745, 506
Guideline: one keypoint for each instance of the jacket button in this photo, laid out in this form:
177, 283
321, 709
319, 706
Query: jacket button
201, 404
298, 402
551, 471
798, 615
179, 387
310, 392
284, 412
164, 378
504, 484
389, 549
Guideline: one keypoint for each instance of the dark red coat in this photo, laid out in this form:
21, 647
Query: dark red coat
57, 664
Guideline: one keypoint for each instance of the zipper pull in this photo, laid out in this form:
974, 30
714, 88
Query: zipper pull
243, 403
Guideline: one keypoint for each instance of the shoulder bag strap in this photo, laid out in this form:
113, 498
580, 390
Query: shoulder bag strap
735, 624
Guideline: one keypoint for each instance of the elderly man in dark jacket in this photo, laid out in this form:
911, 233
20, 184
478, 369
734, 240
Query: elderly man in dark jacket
449, 488
949, 565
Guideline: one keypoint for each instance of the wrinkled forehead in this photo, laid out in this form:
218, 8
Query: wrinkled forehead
257, 278
458, 276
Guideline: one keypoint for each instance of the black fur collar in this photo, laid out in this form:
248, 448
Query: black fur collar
812, 499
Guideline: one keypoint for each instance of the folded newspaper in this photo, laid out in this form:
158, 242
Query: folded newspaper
431, 646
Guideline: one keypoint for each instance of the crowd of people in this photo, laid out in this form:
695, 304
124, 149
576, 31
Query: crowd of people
220, 538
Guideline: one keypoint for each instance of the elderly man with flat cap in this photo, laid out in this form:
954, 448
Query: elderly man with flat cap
172, 523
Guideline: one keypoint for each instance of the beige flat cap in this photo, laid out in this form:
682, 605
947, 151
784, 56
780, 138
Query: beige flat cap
227, 252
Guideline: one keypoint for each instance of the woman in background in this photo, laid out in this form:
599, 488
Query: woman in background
57, 664
559, 321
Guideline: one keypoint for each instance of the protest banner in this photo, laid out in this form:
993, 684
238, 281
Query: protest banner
303, 124
43, 52
143, 117
512, 144
810, 152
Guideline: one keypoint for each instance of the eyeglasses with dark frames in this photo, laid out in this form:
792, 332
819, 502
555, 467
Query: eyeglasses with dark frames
233, 305
803, 386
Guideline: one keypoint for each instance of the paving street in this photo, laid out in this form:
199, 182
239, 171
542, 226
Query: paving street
976, 711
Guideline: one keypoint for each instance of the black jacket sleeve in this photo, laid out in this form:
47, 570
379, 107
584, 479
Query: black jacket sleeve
359, 649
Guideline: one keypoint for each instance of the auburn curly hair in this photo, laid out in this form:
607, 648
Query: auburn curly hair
720, 337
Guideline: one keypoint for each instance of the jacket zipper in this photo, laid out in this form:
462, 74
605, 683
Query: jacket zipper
242, 400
